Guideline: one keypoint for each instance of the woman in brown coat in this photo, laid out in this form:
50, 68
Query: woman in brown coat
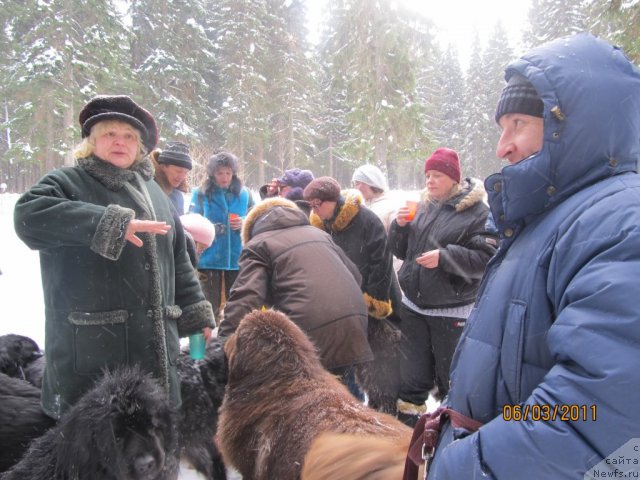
288, 265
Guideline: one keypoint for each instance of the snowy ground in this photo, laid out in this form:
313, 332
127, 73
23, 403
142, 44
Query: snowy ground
21, 302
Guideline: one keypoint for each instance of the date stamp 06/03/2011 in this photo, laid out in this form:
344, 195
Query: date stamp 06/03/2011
549, 413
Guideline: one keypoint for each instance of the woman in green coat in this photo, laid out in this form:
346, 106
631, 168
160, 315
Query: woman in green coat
119, 288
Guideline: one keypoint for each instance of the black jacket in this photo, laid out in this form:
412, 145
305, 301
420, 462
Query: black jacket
455, 227
360, 233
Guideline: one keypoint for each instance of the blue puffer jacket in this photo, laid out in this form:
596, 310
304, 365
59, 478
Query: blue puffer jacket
557, 319
226, 248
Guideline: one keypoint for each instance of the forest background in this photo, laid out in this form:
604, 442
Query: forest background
242, 75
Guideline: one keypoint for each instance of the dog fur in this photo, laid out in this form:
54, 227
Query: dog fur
380, 378
16, 352
202, 386
21, 419
124, 428
279, 399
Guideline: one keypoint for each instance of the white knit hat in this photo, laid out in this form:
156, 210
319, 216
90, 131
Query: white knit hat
200, 228
372, 176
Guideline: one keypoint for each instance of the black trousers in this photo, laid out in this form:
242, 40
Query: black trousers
427, 348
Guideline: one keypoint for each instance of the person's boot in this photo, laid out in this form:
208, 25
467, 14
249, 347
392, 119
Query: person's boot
409, 413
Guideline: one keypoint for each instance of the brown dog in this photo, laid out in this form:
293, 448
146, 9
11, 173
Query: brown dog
279, 399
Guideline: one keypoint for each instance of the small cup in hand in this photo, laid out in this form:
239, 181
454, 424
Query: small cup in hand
196, 346
413, 208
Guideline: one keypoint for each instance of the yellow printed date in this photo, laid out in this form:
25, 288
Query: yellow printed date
548, 413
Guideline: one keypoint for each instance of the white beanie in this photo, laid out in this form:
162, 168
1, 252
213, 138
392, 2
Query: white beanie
372, 176
201, 229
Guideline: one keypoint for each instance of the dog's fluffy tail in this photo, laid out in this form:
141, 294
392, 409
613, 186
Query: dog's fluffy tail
353, 457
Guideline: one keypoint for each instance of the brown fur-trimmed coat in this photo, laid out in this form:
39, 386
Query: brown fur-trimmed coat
279, 399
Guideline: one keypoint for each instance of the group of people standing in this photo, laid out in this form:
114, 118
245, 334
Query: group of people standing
526, 301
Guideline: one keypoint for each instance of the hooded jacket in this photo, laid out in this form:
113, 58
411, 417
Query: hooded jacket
108, 303
360, 233
456, 228
556, 322
288, 265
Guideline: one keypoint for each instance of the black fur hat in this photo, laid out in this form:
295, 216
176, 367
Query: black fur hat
123, 108
222, 159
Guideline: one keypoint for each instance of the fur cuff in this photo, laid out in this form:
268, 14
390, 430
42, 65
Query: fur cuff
109, 240
411, 408
195, 317
377, 308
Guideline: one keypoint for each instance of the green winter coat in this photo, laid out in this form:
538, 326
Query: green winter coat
107, 302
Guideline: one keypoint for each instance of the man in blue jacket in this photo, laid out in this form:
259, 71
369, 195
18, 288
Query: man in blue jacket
549, 361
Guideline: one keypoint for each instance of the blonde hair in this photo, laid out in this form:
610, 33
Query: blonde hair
88, 144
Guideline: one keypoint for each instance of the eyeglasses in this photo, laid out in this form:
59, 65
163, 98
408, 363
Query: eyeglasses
315, 204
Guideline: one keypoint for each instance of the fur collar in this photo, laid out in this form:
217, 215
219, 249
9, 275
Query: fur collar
261, 209
471, 192
112, 177
347, 211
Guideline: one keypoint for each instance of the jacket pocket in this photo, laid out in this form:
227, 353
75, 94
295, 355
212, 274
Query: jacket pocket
512, 347
99, 340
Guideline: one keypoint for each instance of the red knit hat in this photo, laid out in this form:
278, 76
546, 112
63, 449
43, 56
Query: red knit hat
446, 161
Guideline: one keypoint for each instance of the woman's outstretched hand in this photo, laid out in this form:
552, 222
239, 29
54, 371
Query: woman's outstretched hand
144, 226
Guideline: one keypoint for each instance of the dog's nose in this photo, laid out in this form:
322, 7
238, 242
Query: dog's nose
144, 464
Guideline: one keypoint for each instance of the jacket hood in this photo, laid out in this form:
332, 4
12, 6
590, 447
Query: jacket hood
471, 192
591, 96
272, 214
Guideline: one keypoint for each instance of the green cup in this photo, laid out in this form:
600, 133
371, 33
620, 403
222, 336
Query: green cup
196, 346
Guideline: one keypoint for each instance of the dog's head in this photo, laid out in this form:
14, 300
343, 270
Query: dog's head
17, 351
267, 343
124, 428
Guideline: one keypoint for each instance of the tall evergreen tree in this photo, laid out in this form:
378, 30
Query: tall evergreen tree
63, 51
549, 19
496, 57
618, 22
173, 62
293, 89
371, 62
242, 48
476, 116
448, 93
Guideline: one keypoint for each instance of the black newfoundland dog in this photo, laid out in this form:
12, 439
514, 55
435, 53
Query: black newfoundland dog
124, 428
202, 385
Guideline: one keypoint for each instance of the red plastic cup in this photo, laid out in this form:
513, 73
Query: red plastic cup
413, 208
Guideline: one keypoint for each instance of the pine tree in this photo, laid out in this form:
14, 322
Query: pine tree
173, 62
476, 115
242, 47
448, 92
293, 90
618, 22
63, 51
496, 57
550, 19
371, 66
